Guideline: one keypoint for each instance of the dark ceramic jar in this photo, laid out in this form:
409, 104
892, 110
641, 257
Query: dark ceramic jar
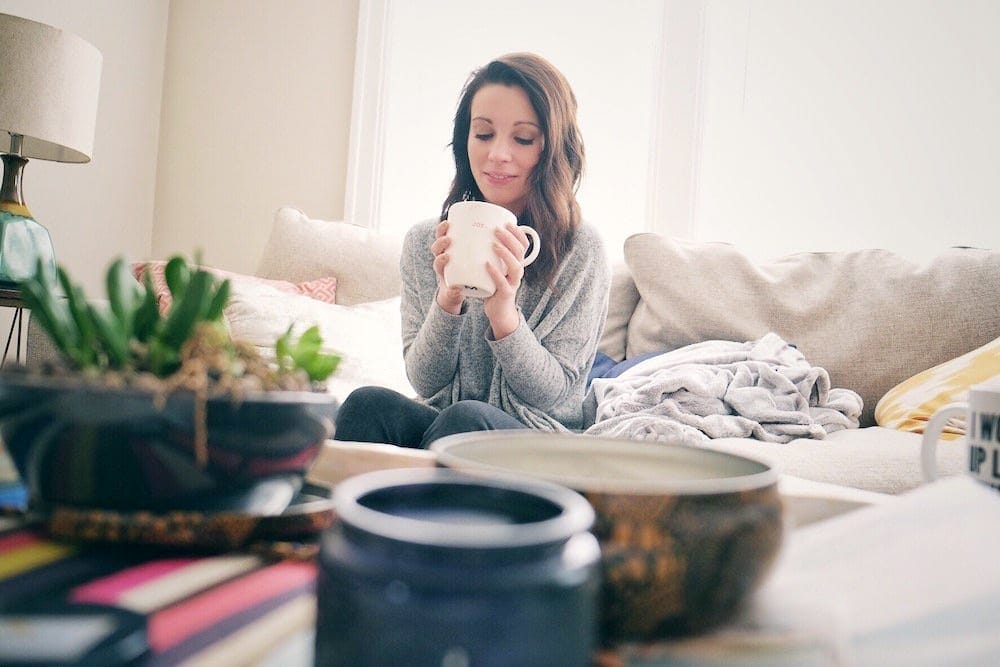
436, 567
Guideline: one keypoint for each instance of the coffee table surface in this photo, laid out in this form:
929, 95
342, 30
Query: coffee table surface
243, 607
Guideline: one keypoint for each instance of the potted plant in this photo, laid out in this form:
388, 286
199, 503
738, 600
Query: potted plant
161, 411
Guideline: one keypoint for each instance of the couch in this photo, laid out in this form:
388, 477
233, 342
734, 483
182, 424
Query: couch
881, 325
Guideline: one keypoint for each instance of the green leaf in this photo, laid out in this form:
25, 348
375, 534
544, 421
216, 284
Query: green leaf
163, 360
79, 327
178, 275
72, 303
306, 354
87, 343
148, 314
185, 311
50, 313
112, 338
321, 366
131, 332
219, 301
124, 294
308, 344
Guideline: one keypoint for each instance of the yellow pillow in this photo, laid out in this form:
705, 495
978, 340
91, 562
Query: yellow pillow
911, 403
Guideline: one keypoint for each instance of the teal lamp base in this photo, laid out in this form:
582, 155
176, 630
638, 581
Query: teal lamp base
23, 242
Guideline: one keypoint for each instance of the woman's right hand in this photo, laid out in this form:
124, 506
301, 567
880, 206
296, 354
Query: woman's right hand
448, 298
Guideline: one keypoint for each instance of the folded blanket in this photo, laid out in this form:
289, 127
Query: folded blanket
762, 389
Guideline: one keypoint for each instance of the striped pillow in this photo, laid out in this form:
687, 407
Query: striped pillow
910, 404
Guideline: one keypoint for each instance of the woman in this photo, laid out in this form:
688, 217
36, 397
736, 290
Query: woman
519, 358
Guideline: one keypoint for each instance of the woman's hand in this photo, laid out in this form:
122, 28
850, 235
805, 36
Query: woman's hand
511, 244
448, 298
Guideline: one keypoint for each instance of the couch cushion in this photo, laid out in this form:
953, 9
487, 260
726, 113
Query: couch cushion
368, 336
621, 303
365, 263
871, 318
872, 459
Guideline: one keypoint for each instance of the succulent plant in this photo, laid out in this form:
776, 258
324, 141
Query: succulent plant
129, 333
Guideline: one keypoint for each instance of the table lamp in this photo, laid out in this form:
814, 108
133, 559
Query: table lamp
49, 84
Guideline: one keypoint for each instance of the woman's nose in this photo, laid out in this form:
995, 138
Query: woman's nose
500, 151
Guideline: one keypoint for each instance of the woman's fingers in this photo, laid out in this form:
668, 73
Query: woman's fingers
504, 289
510, 260
449, 298
440, 244
507, 283
440, 261
439, 248
515, 240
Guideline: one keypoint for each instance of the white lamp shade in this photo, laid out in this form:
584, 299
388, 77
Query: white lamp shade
49, 85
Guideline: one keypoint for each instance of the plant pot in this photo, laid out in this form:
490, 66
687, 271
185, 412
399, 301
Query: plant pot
78, 443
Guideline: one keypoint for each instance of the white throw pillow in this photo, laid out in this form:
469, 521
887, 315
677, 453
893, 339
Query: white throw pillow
365, 263
367, 336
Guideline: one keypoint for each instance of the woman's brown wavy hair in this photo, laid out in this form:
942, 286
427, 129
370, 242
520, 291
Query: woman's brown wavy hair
551, 208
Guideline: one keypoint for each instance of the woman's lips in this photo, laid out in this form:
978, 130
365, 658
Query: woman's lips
499, 179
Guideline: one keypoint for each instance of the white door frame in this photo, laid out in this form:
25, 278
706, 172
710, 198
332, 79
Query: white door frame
362, 195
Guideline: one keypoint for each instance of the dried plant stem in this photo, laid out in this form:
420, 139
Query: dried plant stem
208, 368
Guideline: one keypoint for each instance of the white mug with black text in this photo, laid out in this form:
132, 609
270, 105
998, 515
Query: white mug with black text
982, 433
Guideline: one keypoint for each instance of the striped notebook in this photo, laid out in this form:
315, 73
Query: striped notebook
66, 602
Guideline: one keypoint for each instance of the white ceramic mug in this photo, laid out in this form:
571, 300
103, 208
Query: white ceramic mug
470, 226
982, 433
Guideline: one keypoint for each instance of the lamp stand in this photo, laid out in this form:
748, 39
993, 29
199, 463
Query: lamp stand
23, 242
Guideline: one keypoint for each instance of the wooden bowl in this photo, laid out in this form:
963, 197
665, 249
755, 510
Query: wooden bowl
686, 534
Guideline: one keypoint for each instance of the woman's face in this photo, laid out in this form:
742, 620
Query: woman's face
505, 143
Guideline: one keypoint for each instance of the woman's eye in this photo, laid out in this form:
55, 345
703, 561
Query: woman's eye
484, 137
524, 141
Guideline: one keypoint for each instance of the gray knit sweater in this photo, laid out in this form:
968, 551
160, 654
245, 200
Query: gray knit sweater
537, 373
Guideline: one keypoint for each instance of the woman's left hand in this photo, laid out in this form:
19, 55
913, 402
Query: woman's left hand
501, 309
448, 298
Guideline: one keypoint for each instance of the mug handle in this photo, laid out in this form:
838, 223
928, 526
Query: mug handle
536, 245
932, 432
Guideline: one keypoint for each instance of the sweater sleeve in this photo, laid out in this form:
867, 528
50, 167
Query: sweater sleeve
545, 361
430, 334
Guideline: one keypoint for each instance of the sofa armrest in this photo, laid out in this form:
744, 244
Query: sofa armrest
39, 348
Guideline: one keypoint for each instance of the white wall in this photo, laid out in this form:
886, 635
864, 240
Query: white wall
787, 125
256, 114
97, 210
104, 208
609, 56
837, 124
776, 125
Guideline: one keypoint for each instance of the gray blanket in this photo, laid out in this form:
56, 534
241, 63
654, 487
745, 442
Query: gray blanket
763, 389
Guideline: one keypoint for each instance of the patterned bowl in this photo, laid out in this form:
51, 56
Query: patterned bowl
76, 443
686, 534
